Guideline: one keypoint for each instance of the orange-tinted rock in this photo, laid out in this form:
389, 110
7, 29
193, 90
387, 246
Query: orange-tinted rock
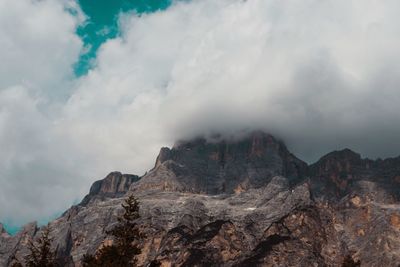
395, 220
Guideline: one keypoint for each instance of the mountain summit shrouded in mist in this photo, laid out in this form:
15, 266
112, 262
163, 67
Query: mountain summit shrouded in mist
321, 75
237, 202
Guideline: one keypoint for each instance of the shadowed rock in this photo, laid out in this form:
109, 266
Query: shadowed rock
342, 172
227, 166
114, 185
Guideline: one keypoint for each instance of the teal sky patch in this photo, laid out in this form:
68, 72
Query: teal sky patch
12, 229
102, 24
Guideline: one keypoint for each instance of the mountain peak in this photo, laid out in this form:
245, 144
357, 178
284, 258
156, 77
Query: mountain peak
113, 185
223, 165
222, 139
344, 154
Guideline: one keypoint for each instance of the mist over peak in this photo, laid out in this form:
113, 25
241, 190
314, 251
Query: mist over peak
320, 75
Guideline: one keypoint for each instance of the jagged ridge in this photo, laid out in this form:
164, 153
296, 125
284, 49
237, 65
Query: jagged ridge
240, 203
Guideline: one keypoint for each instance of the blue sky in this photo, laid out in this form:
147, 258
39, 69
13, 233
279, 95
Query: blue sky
102, 23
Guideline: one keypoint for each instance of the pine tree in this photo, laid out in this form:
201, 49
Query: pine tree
126, 235
41, 254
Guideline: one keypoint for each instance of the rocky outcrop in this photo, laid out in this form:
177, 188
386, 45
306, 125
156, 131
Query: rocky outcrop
115, 184
11, 246
343, 172
246, 202
227, 166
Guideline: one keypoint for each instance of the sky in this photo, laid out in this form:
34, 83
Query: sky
90, 87
102, 24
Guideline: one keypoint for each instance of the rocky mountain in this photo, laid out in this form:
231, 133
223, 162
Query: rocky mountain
224, 167
246, 202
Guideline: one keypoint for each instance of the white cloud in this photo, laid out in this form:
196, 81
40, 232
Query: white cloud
320, 74
38, 43
38, 47
38, 169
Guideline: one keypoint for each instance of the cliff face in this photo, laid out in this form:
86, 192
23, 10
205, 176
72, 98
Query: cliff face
240, 203
343, 172
225, 167
114, 185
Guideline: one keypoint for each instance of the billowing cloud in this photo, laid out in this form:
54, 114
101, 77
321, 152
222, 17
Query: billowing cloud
38, 47
38, 42
321, 75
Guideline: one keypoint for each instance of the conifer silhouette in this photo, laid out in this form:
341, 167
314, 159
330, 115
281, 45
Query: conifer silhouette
41, 254
126, 235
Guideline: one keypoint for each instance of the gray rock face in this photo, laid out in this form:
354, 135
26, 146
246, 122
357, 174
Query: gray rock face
224, 167
114, 185
10, 246
240, 203
342, 172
